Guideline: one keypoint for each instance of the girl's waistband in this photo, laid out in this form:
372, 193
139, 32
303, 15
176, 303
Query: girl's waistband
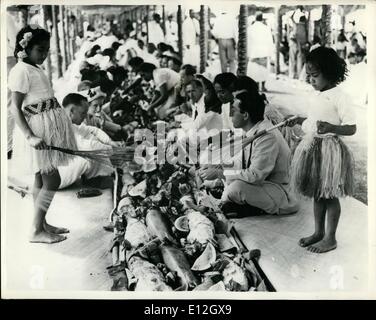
33, 109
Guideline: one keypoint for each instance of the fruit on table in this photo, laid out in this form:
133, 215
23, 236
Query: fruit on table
206, 259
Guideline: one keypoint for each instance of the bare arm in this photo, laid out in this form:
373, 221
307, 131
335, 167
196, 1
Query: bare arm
162, 97
34, 141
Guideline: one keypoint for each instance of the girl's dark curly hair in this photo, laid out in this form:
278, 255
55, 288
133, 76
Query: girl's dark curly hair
39, 35
332, 67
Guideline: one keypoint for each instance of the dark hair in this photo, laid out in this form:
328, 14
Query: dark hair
176, 61
119, 74
189, 69
253, 103
116, 45
89, 74
211, 100
73, 98
135, 62
332, 67
226, 80
195, 82
93, 51
39, 35
147, 67
109, 52
245, 83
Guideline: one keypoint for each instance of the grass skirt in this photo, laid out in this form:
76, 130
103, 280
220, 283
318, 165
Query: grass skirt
55, 128
323, 168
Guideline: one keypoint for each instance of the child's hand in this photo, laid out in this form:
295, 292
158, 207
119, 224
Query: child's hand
324, 127
37, 143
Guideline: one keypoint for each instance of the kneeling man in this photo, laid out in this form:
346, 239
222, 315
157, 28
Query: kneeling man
258, 179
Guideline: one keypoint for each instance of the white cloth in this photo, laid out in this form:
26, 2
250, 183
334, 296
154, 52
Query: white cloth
88, 138
260, 41
122, 54
165, 76
333, 106
225, 27
156, 35
191, 29
171, 32
106, 42
31, 81
226, 119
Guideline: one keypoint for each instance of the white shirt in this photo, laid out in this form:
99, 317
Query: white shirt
260, 41
225, 27
191, 29
171, 31
165, 76
333, 106
31, 81
226, 119
156, 35
106, 42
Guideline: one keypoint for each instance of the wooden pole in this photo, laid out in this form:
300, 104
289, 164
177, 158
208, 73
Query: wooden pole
278, 40
163, 20
57, 44
67, 38
147, 24
242, 44
48, 60
64, 49
203, 39
326, 30
180, 32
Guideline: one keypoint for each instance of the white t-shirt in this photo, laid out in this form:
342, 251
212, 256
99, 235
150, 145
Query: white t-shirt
332, 106
31, 81
106, 42
165, 75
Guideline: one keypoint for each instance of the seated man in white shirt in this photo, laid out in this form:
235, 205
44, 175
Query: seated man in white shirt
257, 180
88, 138
165, 81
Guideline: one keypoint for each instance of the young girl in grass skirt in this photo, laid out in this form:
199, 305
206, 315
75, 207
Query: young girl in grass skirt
322, 167
43, 122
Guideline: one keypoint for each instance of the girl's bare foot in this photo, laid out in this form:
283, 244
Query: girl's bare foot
316, 237
54, 230
45, 237
324, 245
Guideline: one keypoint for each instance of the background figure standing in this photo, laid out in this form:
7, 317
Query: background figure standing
298, 44
341, 44
191, 30
156, 35
172, 32
260, 50
225, 31
12, 30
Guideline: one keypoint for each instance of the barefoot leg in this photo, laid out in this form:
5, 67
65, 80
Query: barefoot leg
38, 184
319, 210
329, 242
51, 182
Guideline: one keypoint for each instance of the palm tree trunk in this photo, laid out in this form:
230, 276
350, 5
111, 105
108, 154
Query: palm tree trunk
180, 32
48, 61
203, 38
326, 30
278, 40
57, 41
242, 44
63, 37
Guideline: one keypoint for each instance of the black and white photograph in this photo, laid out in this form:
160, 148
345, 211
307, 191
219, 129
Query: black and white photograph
169, 149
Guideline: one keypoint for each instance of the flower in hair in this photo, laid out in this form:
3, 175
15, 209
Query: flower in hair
35, 26
22, 54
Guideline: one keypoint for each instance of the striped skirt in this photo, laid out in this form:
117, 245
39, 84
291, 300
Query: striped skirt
323, 168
